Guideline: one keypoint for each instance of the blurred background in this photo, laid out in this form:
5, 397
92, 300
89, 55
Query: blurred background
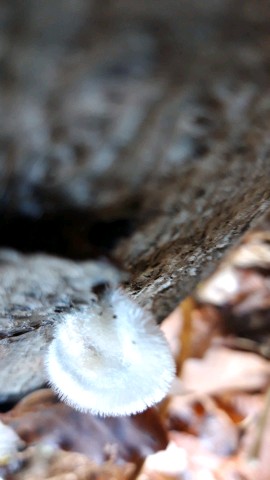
101, 104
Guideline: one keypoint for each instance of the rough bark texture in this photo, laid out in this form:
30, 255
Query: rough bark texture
35, 291
135, 129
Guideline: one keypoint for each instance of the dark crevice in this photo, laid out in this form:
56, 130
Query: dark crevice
15, 333
69, 234
7, 406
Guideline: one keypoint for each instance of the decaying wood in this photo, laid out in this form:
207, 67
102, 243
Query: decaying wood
155, 117
35, 291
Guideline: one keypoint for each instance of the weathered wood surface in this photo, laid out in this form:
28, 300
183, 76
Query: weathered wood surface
35, 291
152, 117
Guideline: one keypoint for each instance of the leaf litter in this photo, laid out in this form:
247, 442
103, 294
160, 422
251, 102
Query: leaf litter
213, 425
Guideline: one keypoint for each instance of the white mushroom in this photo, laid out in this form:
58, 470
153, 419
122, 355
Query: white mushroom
111, 359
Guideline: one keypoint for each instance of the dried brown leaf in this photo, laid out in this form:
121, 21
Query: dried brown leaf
190, 330
253, 252
40, 417
41, 463
240, 405
203, 419
239, 279
223, 370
